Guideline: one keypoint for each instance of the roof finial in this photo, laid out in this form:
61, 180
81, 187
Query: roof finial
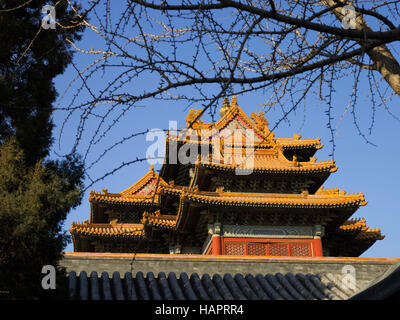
234, 101
225, 107
151, 167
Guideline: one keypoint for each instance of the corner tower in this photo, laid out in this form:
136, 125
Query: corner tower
273, 205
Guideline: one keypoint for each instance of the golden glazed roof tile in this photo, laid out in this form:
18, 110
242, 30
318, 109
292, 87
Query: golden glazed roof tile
354, 224
268, 199
158, 220
234, 117
207, 138
107, 229
142, 192
337, 192
116, 198
364, 231
289, 143
264, 160
148, 180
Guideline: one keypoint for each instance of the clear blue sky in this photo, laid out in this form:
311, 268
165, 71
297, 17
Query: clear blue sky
362, 167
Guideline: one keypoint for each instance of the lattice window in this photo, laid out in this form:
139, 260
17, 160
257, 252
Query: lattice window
232, 248
278, 249
300, 249
256, 249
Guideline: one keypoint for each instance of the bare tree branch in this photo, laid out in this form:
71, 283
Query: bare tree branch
200, 51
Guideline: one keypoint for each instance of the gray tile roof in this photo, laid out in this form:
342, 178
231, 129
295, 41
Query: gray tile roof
385, 287
325, 286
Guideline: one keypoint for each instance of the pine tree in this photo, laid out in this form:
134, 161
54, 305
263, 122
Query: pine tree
35, 193
30, 58
34, 201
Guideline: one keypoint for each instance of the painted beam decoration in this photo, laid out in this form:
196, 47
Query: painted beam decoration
268, 231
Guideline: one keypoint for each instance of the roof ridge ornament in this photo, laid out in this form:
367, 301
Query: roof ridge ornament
262, 123
193, 120
225, 107
297, 136
294, 161
234, 101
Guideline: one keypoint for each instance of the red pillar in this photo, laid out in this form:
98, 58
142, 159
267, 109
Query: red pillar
317, 245
216, 245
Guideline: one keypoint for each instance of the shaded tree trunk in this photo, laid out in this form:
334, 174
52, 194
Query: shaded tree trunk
382, 58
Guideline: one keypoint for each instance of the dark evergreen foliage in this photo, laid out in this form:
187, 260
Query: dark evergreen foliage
34, 202
26, 75
35, 193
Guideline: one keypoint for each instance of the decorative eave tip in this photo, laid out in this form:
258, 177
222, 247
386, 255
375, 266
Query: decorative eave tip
334, 169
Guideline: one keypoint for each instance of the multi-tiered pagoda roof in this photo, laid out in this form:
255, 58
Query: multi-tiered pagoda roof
274, 204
